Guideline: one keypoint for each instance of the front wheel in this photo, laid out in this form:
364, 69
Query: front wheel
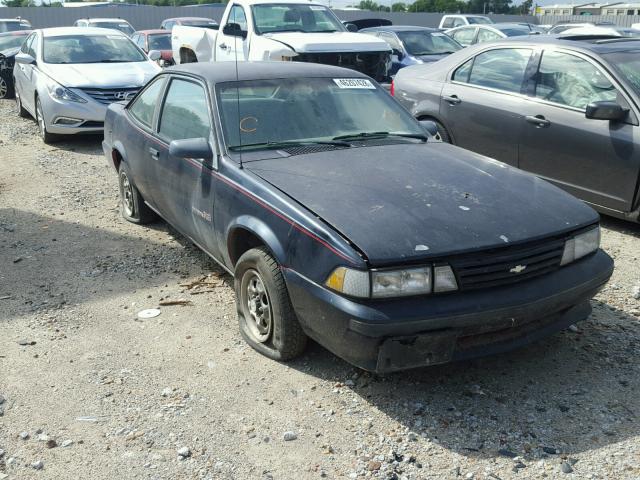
42, 126
267, 320
6, 88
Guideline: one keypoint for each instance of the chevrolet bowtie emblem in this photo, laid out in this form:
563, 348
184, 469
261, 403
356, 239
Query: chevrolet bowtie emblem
518, 269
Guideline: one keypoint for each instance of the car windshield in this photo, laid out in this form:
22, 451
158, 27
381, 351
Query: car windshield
122, 26
12, 26
114, 48
294, 17
515, 31
428, 43
626, 64
11, 41
479, 20
201, 24
161, 41
265, 113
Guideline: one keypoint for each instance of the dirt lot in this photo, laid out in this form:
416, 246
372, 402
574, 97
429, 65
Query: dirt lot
88, 391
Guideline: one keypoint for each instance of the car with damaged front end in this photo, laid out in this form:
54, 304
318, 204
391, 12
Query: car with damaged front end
343, 219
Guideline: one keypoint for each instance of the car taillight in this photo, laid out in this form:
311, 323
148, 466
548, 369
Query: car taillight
392, 90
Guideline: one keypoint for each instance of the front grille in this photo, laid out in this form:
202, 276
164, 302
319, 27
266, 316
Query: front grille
373, 64
508, 265
110, 95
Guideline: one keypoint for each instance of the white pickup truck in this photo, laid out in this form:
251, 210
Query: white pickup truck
282, 30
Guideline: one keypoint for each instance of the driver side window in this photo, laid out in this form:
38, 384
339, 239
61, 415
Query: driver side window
236, 15
572, 81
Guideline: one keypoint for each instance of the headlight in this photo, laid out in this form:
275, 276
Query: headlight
58, 92
396, 283
392, 283
581, 245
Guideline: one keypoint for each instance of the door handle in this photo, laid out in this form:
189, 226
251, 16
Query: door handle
223, 46
539, 121
452, 100
154, 153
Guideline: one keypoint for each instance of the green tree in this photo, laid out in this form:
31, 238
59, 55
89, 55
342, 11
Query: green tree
399, 7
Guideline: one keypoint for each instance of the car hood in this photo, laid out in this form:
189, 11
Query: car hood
9, 52
330, 42
102, 75
405, 202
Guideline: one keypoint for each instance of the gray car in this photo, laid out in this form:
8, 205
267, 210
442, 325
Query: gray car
566, 110
66, 78
472, 34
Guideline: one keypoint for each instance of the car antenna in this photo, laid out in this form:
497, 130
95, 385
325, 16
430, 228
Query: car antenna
235, 47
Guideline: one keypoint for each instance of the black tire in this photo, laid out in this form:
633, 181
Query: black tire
22, 112
132, 204
42, 128
6, 87
284, 338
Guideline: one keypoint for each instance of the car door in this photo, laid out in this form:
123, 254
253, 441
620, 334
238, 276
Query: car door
19, 69
30, 76
481, 102
184, 193
593, 159
465, 36
142, 113
230, 47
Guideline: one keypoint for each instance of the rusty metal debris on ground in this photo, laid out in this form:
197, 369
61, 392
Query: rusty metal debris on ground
204, 284
168, 303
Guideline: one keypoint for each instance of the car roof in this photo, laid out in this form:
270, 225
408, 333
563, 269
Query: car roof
60, 31
231, 71
189, 18
154, 31
399, 28
507, 26
592, 45
99, 19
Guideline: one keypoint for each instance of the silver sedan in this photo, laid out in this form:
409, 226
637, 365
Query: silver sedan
66, 78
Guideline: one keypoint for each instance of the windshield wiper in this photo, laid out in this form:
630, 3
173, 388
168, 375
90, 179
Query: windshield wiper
275, 145
108, 61
432, 53
365, 135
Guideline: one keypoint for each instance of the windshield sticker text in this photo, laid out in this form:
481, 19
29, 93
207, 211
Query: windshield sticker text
354, 83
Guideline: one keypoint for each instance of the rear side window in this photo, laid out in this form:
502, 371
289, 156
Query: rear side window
485, 35
502, 69
185, 113
464, 36
569, 80
143, 107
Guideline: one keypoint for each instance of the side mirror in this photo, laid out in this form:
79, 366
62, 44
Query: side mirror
430, 127
351, 27
234, 30
25, 59
397, 53
155, 55
606, 110
191, 148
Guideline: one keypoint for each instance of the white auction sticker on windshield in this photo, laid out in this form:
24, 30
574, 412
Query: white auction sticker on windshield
354, 83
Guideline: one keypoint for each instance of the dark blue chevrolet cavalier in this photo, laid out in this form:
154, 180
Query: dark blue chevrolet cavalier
343, 219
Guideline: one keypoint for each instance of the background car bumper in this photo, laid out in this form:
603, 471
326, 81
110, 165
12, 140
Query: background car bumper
91, 114
385, 336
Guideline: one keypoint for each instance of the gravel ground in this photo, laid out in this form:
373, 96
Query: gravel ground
87, 390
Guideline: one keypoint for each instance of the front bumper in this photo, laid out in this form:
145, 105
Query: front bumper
391, 335
91, 114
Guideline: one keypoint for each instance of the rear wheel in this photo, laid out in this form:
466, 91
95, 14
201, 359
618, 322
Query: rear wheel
42, 127
132, 204
19, 108
267, 320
